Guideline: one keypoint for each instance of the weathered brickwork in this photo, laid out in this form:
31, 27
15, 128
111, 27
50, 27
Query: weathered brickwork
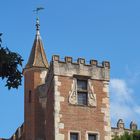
77, 118
81, 118
49, 120
34, 115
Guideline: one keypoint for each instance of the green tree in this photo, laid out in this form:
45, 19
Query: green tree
134, 136
126, 136
10, 65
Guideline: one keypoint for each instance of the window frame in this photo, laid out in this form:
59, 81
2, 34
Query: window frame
74, 131
82, 80
84, 101
91, 99
82, 91
92, 133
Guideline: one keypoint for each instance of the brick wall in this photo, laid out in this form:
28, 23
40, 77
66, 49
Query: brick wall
65, 116
81, 118
50, 110
34, 115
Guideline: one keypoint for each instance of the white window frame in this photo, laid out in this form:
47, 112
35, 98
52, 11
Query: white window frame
94, 133
74, 131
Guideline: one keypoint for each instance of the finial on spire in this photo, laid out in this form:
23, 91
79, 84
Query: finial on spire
37, 19
37, 26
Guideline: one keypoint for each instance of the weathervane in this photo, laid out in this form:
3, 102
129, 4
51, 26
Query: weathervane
38, 9
37, 19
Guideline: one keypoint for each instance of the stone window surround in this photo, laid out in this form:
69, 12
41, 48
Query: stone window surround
74, 131
86, 135
92, 102
92, 132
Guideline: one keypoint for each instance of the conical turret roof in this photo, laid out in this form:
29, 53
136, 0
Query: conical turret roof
37, 56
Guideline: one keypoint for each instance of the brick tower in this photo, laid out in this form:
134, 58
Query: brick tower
77, 100
66, 100
34, 74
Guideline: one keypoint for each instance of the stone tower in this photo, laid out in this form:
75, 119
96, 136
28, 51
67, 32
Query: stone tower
34, 74
77, 100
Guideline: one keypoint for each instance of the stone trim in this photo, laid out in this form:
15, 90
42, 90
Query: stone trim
92, 102
33, 69
91, 95
92, 132
69, 59
73, 93
74, 131
106, 88
43, 76
79, 68
106, 111
57, 116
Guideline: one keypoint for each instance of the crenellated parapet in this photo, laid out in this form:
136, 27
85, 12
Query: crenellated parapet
68, 59
68, 67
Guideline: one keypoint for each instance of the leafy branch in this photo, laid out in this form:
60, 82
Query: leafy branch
10, 62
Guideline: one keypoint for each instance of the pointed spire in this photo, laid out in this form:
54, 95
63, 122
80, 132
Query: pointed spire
37, 56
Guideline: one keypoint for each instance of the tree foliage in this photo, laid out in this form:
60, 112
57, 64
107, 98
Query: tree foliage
134, 136
10, 65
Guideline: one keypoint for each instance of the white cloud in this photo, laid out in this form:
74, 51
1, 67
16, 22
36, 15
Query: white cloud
120, 111
120, 90
122, 101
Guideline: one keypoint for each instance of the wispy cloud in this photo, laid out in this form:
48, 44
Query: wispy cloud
122, 92
122, 101
133, 76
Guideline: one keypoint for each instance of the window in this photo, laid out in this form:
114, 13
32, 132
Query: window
30, 96
82, 98
92, 137
82, 85
82, 92
74, 136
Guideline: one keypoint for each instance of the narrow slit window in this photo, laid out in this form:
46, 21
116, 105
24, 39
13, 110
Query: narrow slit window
30, 96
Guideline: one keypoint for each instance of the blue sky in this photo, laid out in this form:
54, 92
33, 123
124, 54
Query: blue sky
98, 29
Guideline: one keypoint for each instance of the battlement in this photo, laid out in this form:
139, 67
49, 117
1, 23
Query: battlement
92, 62
68, 67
